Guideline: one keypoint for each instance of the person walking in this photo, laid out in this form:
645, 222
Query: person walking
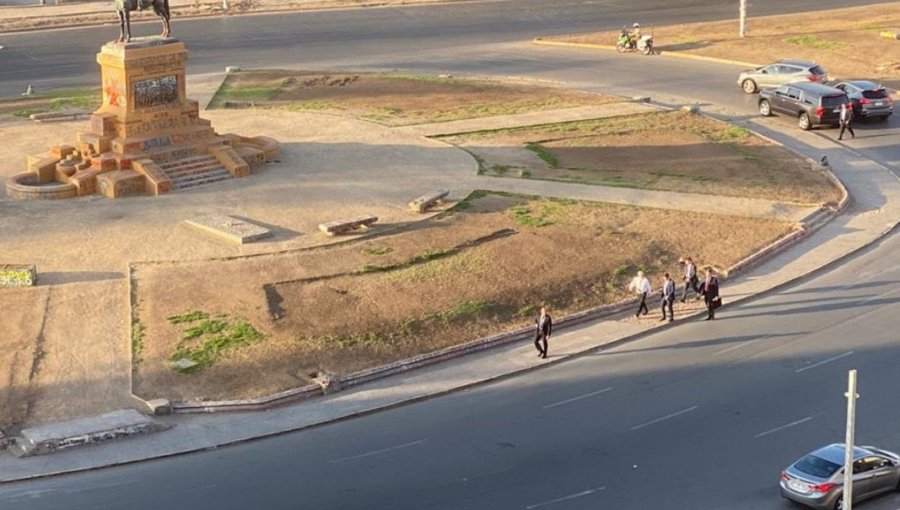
542, 332
641, 285
710, 290
690, 278
668, 297
846, 120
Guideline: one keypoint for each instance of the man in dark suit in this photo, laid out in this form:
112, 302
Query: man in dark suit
668, 297
542, 332
710, 290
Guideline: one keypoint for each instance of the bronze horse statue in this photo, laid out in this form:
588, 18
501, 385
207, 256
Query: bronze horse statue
124, 8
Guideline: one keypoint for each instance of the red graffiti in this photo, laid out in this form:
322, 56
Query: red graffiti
113, 95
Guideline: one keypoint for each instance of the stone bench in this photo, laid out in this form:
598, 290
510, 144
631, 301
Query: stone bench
341, 226
427, 200
60, 115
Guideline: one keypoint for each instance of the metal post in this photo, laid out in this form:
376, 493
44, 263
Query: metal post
743, 31
848, 441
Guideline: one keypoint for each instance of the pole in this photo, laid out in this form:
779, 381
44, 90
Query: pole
848, 442
743, 10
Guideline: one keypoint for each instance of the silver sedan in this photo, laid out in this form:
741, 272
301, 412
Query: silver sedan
817, 480
780, 73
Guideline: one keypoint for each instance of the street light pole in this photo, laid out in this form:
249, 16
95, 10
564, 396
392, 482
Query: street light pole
743, 10
848, 441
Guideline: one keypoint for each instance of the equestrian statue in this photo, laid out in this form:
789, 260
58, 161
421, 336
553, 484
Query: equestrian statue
124, 8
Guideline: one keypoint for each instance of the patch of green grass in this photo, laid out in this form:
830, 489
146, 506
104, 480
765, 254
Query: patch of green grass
356, 339
62, 99
308, 105
208, 338
377, 250
543, 153
375, 268
811, 41
232, 89
430, 254
527, 311
466, 309
137, 341
731, 133
192, 316
539, 214
500, 169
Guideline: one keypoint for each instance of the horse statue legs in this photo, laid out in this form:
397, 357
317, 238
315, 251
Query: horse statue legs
124, 8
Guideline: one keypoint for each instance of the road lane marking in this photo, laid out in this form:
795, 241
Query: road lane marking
789, 425
377, 452
738, 346
565, 498
829, 360
666, 417
576, 399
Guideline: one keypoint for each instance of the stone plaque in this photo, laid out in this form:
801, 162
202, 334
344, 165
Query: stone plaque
156, 92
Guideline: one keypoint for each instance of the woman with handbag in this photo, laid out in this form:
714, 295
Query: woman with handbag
710, 291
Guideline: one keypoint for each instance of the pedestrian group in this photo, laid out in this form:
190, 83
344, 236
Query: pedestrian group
707, 289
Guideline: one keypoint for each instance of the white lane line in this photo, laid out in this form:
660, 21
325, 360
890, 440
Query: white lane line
377, 452
565, 498
666, 417
789, 425
576, 399
829, 360
738, 346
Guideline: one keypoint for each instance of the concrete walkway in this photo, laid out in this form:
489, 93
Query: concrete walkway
875, 210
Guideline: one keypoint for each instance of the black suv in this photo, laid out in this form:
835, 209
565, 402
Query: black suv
812, 104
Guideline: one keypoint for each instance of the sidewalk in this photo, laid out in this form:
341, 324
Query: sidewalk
874, 211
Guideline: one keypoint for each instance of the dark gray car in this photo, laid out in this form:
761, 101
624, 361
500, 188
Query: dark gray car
817, 480
811, 104
870, 100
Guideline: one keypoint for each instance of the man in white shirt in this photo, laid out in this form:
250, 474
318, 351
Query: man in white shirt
641, 286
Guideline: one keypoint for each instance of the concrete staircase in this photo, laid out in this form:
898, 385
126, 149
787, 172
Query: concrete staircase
194, 171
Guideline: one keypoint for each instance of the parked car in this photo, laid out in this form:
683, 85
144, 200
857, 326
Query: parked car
870, 100
812, 104
817, 480
780, 73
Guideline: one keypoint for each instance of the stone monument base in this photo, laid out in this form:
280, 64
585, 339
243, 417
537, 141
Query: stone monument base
146, 139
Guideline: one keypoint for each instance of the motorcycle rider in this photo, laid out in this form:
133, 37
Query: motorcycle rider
634, 35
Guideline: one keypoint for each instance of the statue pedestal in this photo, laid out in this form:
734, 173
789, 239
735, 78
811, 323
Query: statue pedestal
146, 138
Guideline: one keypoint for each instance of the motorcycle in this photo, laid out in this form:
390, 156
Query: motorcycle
626, 43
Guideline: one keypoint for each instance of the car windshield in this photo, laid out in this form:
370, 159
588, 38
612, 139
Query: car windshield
874, 94
832, 101
816, 466
817, 70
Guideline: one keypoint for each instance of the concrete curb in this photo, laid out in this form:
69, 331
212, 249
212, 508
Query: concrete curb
544, 42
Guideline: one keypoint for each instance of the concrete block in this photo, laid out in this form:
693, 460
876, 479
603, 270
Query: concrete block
61, 151
74, 433
230, 159
329, 383
891, 33
159, 407
45, 169
17, 275
692, 108
229, 228
121, 183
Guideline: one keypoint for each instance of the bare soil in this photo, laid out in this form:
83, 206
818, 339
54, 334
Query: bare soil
479, 269
845, 41
395, 99
671, 151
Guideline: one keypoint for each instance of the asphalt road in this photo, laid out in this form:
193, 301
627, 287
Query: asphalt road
701, 416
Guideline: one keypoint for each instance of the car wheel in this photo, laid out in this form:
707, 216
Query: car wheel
765, 109
804, 122
839, 504
749, 86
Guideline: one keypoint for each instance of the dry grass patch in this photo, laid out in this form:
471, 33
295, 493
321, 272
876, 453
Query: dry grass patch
845, 41
394, 99
480, 269
50, 101
671, 151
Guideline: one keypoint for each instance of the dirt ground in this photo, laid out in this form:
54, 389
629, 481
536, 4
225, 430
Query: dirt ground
470, 272
395, 99
844, 41
671, 151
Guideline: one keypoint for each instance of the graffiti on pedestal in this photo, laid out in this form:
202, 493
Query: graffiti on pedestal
113, 93
155, 92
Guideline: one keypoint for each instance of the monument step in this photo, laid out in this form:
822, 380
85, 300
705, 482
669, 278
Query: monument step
197, 168
166, 165
195, 180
